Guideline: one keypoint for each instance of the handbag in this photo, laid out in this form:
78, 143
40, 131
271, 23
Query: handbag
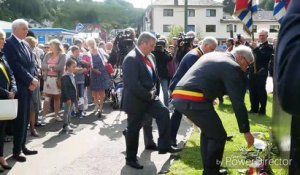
109, 68
9, 109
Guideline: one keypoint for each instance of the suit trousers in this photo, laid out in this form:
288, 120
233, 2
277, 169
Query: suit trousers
136, 120
175, 124
21, 122
2, 136
213, 137
258, 93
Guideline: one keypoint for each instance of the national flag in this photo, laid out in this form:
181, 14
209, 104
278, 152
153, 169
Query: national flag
244, 10
280, 7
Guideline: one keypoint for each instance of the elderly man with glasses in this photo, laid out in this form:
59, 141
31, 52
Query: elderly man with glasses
212, 76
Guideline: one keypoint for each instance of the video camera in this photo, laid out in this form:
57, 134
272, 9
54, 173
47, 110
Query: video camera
160, 45
123, 43
184, 45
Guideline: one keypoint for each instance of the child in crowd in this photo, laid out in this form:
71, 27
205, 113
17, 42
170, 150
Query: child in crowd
68, 93
81, 69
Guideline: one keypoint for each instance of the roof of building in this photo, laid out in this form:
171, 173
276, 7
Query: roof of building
190, 3
5, 25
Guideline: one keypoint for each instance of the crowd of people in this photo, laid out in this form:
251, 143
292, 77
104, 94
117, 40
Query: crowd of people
60, 76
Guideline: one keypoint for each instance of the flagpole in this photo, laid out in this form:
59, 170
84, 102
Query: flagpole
252, 35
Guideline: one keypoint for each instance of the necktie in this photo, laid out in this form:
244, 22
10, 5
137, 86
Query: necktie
25, 49
148, 65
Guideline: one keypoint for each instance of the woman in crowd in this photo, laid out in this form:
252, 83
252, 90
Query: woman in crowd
53, 68
35, 98
8, 90
100, 79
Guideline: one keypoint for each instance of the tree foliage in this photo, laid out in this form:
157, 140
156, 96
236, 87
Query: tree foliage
267, 4
66, 13
228, 6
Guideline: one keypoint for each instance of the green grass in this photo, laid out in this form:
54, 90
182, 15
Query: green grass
190, 162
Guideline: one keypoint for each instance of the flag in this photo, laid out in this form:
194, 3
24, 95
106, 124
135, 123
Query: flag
280, 7
244, 10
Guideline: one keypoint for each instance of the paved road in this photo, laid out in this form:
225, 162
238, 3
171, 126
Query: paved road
97, 147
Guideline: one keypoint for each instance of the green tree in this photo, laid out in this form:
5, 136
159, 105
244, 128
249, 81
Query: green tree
174, 32
229, 6
267, 4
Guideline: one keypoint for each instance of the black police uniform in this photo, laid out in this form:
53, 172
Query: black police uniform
258, 73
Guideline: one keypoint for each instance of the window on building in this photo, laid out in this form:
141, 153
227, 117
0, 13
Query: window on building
211, 12
210, 28
191, 28
191, 12
168, 12
274, 28
254, 27
229, 26
166, 28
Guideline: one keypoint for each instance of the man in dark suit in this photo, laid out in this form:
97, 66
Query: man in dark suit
140, 82
210, 77
209, 44
287, 79
20, 59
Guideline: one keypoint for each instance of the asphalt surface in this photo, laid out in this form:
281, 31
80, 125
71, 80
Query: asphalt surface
97, 147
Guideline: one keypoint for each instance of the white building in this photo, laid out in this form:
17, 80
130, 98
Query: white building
205, 17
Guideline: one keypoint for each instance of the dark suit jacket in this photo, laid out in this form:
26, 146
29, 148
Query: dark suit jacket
6, 86
137, 83
215, 75
287, 61
22, 66
68, 90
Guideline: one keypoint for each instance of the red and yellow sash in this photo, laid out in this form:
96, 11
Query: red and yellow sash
188, 95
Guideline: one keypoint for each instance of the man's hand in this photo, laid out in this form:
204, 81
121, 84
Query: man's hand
253, 45
11, 95
249, 139
153, 94
34, 84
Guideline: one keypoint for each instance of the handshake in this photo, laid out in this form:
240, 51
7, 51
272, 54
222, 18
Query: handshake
33, 85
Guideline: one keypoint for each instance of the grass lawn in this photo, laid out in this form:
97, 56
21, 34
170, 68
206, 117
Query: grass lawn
190, 162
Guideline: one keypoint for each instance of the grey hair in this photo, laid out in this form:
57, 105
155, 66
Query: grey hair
244, 51
209, 40
263, 30
145, 37
17, 23
2, 33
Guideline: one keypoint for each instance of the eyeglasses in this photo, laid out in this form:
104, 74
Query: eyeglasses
248, 64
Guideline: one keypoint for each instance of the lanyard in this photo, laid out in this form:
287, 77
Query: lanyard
4, 71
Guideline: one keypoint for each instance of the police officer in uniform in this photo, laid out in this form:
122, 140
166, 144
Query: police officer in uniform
258, 73
210, 77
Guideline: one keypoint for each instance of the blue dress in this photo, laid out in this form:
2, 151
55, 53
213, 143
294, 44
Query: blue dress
99, 82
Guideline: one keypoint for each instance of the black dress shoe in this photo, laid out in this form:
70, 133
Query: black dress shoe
170, 150
29, 152
134, 164
152, 147
19, 158
7, 167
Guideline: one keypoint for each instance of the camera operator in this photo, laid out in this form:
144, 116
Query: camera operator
162, 58
184, 45
123, 44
